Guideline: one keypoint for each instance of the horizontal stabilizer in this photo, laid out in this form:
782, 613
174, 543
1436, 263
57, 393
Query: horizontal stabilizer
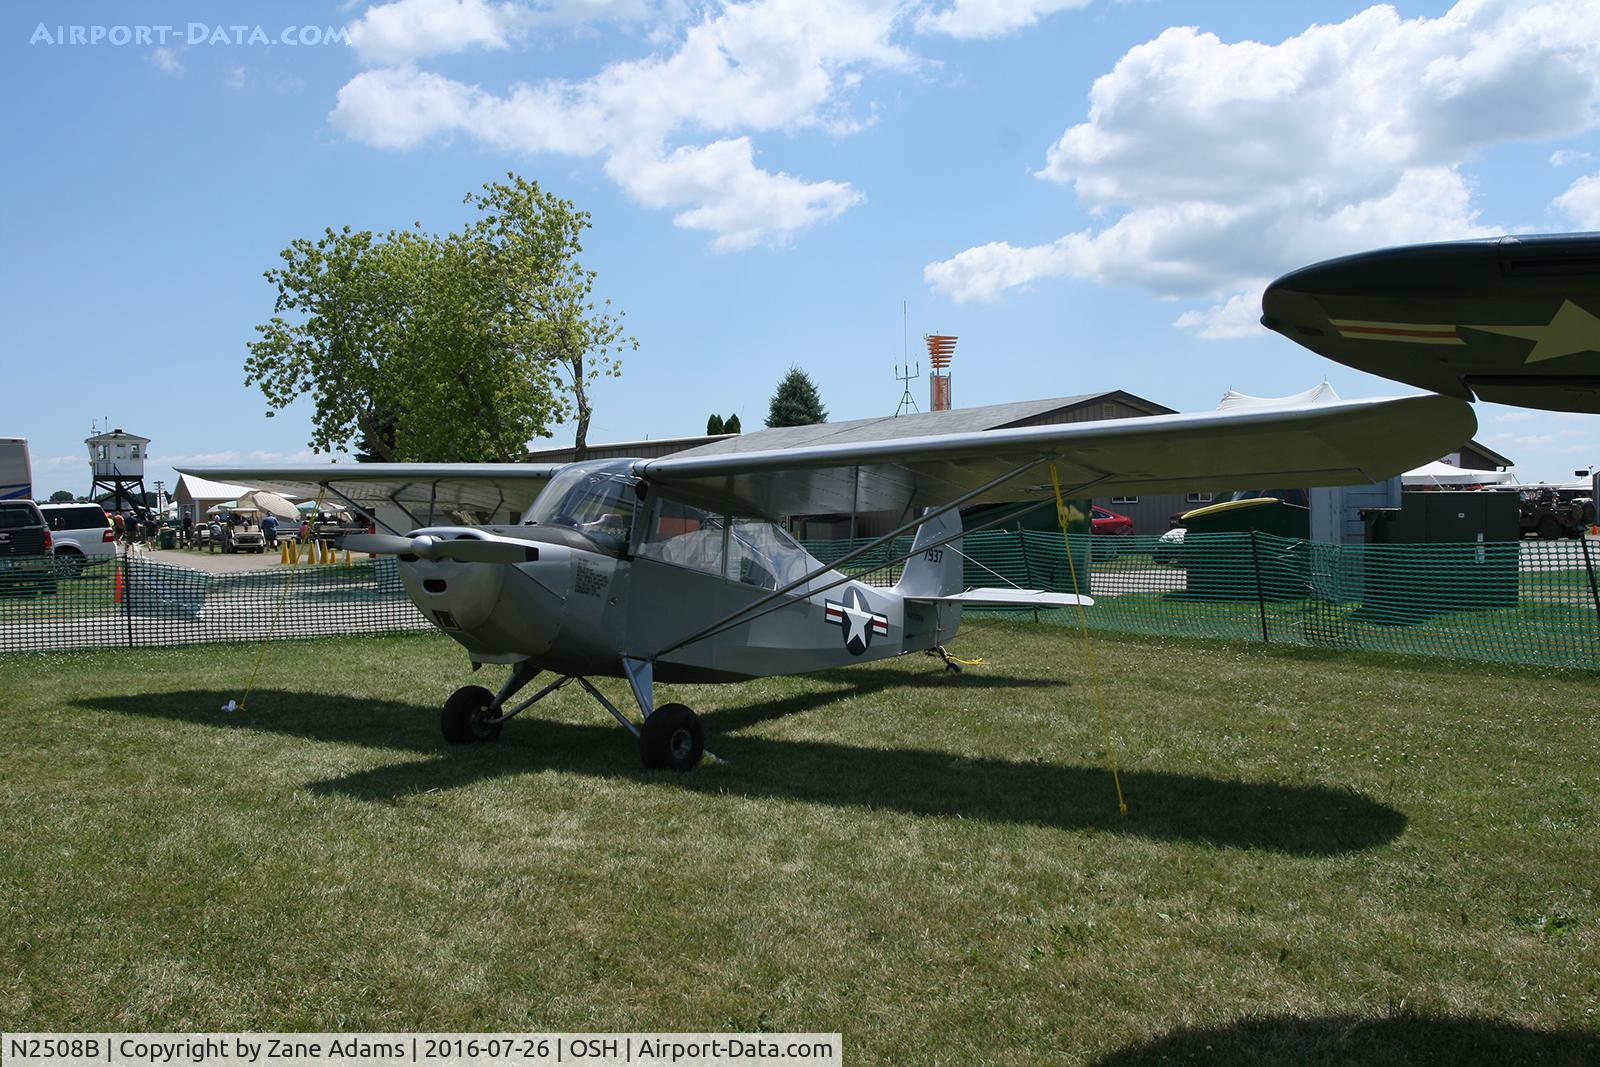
1007, 598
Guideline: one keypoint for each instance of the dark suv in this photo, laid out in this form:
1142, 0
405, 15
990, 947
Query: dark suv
26, 565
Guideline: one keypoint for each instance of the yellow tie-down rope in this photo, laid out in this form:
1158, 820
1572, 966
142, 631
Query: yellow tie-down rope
1088, 646
272, 628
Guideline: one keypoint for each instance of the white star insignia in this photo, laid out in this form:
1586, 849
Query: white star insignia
1570, 331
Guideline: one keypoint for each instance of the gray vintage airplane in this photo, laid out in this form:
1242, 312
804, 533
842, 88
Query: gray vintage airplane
676, 569
1513, 320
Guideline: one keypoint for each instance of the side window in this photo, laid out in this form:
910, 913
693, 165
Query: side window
685, 536
763, 555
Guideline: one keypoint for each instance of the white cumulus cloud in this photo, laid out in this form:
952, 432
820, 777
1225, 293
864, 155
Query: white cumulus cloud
1581, 202
404, 30
990, 18
763, 66
167, 62
411, 29
1218, 165
1566, 157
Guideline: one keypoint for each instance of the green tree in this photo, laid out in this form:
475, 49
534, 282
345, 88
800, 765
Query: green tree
796, 401
535, 237
62, 496
732, 425
714, 426
455, 347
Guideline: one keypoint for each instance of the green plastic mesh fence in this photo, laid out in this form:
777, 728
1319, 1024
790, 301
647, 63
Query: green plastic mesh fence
134, 602
1534, 602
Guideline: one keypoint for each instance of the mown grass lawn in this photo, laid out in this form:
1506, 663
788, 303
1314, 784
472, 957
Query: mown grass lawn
1329, 858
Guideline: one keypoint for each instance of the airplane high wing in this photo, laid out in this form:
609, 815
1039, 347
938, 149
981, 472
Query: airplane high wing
1348, 442
421, 490
1513, 320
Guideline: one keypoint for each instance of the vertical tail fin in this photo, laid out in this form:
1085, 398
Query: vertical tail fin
935, 571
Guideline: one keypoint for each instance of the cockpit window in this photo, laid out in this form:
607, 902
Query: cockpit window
687, 536
763, 555
597, 501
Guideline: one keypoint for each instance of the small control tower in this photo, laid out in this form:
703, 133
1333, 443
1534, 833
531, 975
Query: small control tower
117, 460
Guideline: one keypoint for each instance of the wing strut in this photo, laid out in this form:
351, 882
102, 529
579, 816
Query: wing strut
373, 515
726, 620
996, 521
765, 606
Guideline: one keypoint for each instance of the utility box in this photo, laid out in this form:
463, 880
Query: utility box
1444, 517
1442, 552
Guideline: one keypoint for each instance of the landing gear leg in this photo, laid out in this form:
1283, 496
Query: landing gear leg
671, 737
949, 664
474, 714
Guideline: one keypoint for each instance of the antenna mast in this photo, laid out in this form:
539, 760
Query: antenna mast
904, 374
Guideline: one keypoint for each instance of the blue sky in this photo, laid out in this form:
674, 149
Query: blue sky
1090, 194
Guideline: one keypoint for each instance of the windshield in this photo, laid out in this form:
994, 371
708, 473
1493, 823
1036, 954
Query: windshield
595, 499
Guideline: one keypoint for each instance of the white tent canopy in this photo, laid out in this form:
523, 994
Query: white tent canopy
1233, 400
1439, 473
204, 493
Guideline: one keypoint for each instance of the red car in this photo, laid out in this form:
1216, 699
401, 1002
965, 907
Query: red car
1109, 522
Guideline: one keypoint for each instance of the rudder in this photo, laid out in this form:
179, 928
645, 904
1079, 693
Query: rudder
934, 571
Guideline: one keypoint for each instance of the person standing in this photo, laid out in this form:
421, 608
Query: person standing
269, 529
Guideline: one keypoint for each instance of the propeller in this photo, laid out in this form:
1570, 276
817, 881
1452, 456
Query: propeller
460, 549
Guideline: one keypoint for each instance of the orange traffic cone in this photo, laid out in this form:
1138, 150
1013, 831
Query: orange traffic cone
116, 592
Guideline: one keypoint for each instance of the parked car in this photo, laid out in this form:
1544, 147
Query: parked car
81, 534
1108, 522
26, 565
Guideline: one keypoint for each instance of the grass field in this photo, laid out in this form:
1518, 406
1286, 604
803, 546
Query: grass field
1328, 858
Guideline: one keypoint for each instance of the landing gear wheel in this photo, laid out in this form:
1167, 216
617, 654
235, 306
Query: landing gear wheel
464, 713
671, 739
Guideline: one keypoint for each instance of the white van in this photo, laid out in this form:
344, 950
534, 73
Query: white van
81, 534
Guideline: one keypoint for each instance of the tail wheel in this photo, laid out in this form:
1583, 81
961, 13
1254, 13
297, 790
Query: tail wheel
672, 739
463, 720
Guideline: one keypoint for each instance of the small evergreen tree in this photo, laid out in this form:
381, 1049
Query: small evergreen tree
796, 403
714, 426
732, 425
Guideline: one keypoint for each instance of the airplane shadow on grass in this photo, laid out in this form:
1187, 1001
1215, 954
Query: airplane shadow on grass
1406, 1039
1306, 820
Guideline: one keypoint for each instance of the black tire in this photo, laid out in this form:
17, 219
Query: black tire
672, 739
1549, 529
463, 715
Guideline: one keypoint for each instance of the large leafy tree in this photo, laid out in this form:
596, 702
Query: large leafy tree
536, 238
796, 401
455, 347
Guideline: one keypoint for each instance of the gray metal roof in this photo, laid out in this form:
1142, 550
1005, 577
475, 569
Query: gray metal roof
889, 427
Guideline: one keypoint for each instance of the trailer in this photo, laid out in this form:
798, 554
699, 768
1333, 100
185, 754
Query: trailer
16, 472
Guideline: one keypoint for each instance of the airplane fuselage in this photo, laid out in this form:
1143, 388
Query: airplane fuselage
571, 611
